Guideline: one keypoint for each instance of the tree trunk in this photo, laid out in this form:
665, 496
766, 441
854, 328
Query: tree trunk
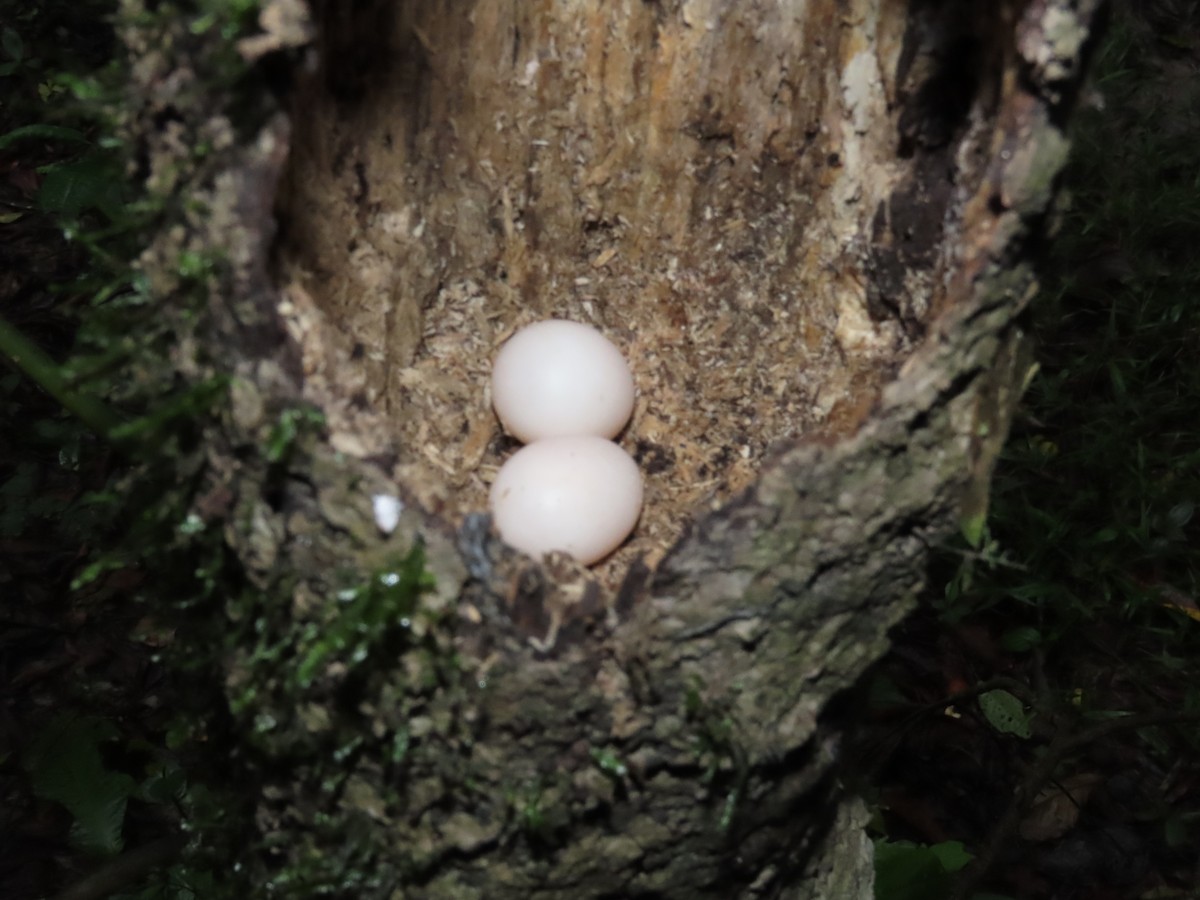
809, 226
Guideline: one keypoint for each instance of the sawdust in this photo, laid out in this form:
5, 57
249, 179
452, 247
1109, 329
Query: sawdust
430, 217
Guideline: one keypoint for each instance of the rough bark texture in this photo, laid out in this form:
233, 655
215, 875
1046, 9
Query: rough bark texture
669, 727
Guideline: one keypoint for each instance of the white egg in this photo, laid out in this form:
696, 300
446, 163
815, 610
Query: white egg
558, 378
582, 495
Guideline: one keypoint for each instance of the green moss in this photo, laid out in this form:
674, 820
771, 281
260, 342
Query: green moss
532, 809
715, 746
292, 423
610, 763
365, 614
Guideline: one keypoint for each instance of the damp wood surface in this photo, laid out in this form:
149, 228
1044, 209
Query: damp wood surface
702, 183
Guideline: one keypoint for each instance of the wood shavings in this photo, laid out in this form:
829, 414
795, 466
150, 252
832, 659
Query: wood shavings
729, 270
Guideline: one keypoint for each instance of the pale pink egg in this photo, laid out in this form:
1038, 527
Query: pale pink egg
581, 495
557, 378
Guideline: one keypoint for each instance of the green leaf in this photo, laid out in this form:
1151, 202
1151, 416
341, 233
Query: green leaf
13, 45
91, 182
951, 854
1181, 513
908, 871
974, 528
44, 132
1006, 713
1021, 640
65, 766
165, 785
94, 570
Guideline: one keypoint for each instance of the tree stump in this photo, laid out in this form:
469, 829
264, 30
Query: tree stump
808, 225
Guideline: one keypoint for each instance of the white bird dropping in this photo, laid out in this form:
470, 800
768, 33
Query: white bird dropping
558, 378
387, 511
581, 495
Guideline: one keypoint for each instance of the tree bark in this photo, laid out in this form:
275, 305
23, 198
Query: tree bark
810, 225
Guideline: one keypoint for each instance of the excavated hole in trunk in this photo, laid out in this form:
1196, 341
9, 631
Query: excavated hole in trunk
703, 193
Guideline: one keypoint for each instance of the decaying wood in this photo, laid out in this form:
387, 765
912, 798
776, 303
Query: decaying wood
809, 226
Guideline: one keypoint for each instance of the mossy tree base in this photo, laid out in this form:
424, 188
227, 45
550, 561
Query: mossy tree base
419, 712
